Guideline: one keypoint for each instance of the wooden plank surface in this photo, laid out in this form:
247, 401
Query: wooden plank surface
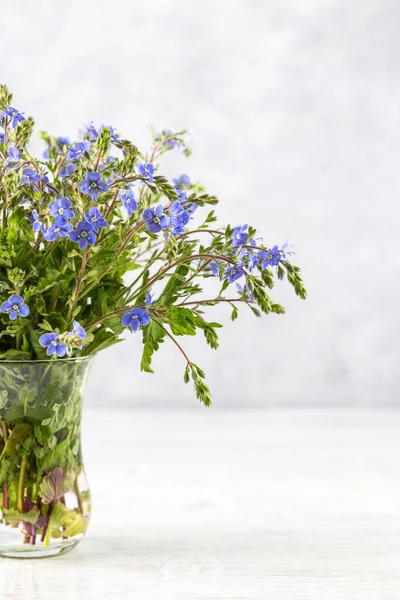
217, 505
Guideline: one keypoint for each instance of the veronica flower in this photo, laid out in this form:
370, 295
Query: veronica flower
286, 250
270, 258
60, 228
62, 141
92, 184
67, 170
128, 200
51, 342
13, 158
83, 235
147, 171
30, 176
91, 131
135, 319
16, 116
245, 291
62, 209
234, 273
179, 183
239, 235
78, 330
34, 221
76, 152
15, 307
179, 217
155, 219
95, 218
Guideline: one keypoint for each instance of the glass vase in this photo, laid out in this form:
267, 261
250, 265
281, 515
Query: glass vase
44, 495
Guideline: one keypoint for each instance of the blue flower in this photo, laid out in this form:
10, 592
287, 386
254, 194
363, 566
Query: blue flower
92, 184
62, 141
34, 221
61, 209
78, 330
270, 257
51, 342
286, 250
239, 235
179, 184
30, 176
146, 171
149, 299
135, 319
15, 306
128, 200
60, 228
234, 273
1, 138
245, 291
95, 218
16, 116
83, 235
179, 217
67, 170
214, 268
91, 131
13, 158
76, 152
155, 219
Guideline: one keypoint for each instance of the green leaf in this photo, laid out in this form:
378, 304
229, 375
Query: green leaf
153, 336
14, 516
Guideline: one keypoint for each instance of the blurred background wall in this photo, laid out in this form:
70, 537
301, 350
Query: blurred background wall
294, 112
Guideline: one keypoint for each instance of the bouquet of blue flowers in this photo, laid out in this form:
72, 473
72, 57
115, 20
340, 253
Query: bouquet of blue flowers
94, 240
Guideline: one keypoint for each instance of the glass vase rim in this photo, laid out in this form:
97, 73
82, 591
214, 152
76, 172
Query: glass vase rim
73, 359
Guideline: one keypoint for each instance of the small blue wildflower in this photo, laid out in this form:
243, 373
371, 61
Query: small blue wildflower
62, 141
214, 268
15, 307
62, 209
34, 221
60, 228
234, 273
106, 164
270, 258
245, 291
286, 250
83, 235
180, 183
30, 176
76, 152
135, 319
13, 158
16, 116
51, 342
179, 217
146, 171
91, 131
155, 219
67, 170
95, 218
149, 299
239, 235
78, 330
92, 184
128, 200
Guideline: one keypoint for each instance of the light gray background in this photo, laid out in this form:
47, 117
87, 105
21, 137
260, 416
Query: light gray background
294, 109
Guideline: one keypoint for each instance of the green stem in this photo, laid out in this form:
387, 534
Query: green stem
21, 484
18, 341
78, 495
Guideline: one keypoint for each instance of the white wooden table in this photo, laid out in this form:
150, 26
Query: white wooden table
217, 505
